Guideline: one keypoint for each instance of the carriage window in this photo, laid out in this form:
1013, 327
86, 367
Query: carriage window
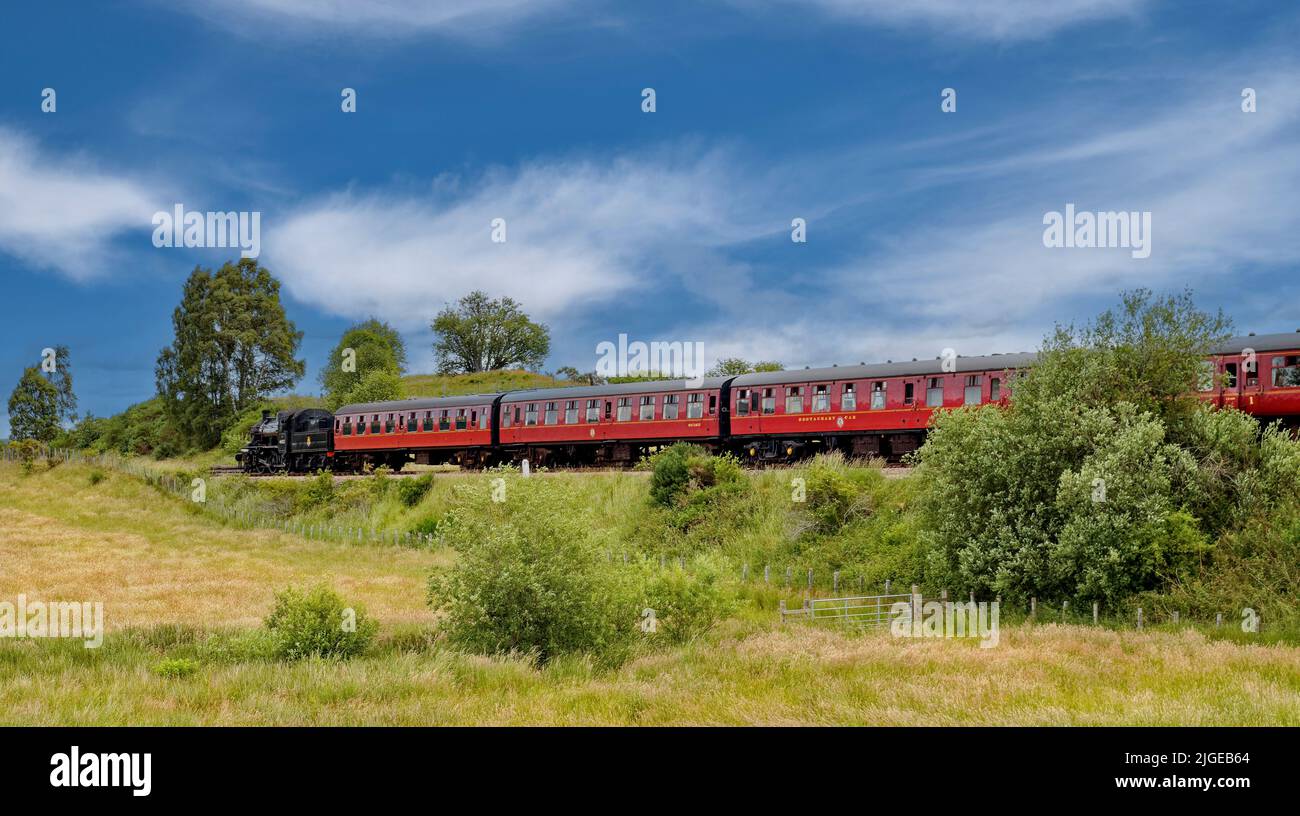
1205, 376
974, 387
995, 389
670, 406
444, 421
483, 420
461, 420
821, 398
552, 415
505, 417
713, 404
934, 394
388, 424
794, 399
909, 393
878, 395
593, 410
1286, 371
530, 414
647, 408
624, 409
848, 398
1230, 375
694, 406
769, 401
742, 402
571, 412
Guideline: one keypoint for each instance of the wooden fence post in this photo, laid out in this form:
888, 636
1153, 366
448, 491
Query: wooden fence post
1139, 617
1033, 607
1094, 613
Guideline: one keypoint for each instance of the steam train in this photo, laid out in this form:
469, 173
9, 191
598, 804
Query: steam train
863, 410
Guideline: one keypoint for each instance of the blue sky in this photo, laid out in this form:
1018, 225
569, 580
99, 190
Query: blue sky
924, 227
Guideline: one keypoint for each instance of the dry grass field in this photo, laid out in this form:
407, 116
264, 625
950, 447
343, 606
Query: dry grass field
176, 584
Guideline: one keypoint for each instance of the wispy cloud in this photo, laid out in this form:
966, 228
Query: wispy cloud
1000, 20
62, 213
386, 18
577, 233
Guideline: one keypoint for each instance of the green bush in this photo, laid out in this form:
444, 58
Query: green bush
176, 668
412, 489
317, 623
317, 492
833, 498
97, 476
532, 578
671, 474
688, 603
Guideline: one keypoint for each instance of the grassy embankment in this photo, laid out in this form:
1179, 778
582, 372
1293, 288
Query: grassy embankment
176, 583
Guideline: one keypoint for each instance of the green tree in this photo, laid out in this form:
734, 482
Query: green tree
734, 366
1149, 352
482, 334
375, 346
34, 408
61, 378
1085, 487
377, 386
233, 346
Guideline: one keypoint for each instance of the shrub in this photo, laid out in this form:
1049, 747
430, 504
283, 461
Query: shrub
832, 498
316, 492
532, 578
671, 474
27, 450
317, 623
97, 476
176, 668
412, 490
688, 603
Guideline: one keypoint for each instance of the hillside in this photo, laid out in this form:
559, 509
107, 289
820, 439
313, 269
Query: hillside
181, 588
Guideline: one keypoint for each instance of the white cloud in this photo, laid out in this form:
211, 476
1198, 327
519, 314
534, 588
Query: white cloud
62, 213
578, 232
1002, 20
392, 18
1220, 185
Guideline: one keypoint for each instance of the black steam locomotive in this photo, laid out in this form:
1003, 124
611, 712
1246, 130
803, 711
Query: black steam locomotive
294, 441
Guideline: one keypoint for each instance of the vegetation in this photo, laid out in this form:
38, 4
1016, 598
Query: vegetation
234, 347
483, 334
369, 359
532, 578
733, 366
34, 408
317, 623
1105, 478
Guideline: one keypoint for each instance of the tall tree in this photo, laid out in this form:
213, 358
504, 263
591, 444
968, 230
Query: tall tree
61, 379
482, 334
34, 408
234, 346
374, 346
